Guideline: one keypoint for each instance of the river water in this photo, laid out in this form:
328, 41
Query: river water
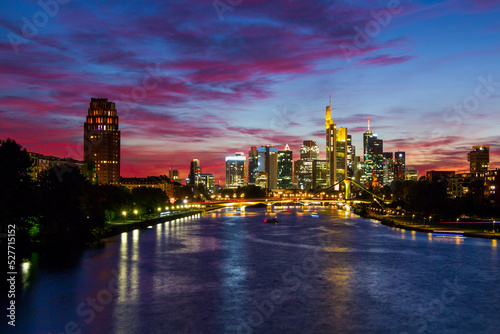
227, 272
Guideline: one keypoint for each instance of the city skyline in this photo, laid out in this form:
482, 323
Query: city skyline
102, 141
244, 91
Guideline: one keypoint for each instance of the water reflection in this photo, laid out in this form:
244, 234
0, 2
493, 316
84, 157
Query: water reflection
25, 273
208, 275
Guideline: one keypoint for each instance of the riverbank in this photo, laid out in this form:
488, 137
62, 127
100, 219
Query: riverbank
118, 228
467, 229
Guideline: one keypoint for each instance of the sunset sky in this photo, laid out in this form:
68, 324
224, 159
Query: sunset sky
226, 75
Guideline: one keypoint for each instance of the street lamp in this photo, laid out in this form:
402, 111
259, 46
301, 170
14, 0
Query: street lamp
124, 213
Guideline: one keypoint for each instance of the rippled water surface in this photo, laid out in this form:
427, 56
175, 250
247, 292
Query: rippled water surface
231, 273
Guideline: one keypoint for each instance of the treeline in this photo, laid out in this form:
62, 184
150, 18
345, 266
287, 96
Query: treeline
430, 198
62, 209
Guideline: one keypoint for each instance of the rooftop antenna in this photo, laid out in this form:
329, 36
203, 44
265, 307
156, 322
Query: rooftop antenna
330, 103
368, 123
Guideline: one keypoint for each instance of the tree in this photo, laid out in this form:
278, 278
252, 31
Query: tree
69, 208
16, 189
149, 199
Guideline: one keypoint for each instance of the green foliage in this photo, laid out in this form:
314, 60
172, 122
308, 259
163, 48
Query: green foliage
110, 215
427, 198
34, 230
148, 199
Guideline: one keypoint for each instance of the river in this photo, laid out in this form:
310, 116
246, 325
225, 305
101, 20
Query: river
227, 272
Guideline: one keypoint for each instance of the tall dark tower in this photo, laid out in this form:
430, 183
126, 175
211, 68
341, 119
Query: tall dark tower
101, 141
194, 171
253, 167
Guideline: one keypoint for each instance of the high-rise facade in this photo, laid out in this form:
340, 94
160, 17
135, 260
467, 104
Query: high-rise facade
341, 156
399, 166
309, 151
208, 182
373, 158
267, 165
285, 168
173, 174
321, 169
351, 153
236, 174
388, 167
358, 169
194, 171
479, 159
411, 174
253, 167
303, 170
336, 148
331, 143
101, 141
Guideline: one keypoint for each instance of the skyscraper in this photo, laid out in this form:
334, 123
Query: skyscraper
285, 168
351, 153
253, 167
331, 142
208, 182
399, 166
309, 151
194, 171
173, 174
341, 154
320, 174
373, 158
236, 173
336, 148
101, 141
358, 169
479, 159
267, 166
388, 167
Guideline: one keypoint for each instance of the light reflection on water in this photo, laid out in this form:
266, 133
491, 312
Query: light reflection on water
210, 273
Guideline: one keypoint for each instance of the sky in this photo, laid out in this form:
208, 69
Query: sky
206, 79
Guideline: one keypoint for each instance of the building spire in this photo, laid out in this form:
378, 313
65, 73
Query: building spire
330, 103
368, 123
